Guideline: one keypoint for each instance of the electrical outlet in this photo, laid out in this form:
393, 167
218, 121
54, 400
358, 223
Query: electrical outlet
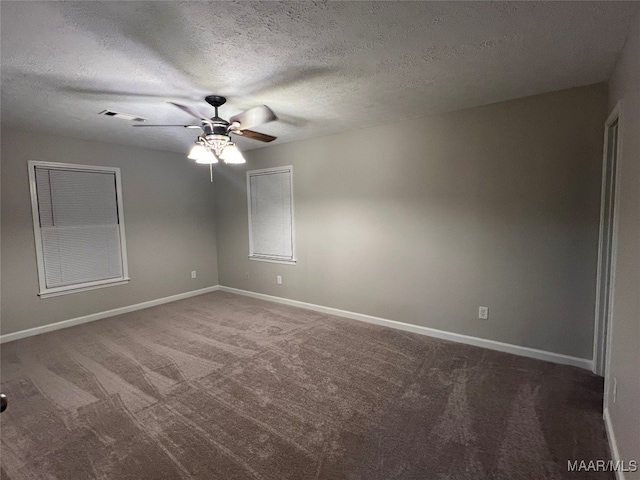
193, 274
615, 389
483, 313
279, 279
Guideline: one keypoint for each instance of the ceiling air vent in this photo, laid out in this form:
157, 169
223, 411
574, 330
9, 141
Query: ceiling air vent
122, 116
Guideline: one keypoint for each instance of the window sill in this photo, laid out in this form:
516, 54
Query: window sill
56, 292
272, 260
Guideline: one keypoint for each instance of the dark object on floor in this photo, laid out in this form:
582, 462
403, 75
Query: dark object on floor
3, 402
226, 387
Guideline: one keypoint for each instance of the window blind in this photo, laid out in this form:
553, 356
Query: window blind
271, 214
79, 226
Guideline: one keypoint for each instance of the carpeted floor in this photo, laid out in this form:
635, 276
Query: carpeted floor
226, 387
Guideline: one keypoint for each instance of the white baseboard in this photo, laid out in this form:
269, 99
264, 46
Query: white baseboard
432, 332
100, 315
613, 444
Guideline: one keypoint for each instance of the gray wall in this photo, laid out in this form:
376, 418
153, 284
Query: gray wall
625, 338
169, 222
423, 221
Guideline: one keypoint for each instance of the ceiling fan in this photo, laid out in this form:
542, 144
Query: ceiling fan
215, 143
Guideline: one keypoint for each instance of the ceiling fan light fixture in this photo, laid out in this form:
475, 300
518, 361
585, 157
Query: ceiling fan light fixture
202, 154
208, 158
217, 143
196, 151
232, 154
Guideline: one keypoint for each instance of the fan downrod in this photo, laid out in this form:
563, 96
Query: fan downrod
215, 100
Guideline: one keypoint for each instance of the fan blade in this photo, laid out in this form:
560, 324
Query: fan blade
253, 117
263, 137
191, 112
184, 126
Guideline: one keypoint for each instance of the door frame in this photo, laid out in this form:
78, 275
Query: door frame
603, 327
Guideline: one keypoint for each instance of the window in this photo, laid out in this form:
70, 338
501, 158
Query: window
270, 198
78, 227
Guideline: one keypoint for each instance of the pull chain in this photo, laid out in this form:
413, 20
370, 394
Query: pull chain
211, 171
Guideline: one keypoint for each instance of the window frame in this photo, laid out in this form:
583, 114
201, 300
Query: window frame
266, 258
45, 292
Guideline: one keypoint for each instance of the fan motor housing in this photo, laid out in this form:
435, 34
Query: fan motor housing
219, 127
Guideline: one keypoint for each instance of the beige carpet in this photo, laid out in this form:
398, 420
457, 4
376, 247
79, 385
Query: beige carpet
226, 387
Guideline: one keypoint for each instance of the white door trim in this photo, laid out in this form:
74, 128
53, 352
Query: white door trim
601, 350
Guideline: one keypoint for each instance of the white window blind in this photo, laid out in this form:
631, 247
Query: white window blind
269, 193
78, 226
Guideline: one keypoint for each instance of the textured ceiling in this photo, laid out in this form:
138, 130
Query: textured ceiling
322, 67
